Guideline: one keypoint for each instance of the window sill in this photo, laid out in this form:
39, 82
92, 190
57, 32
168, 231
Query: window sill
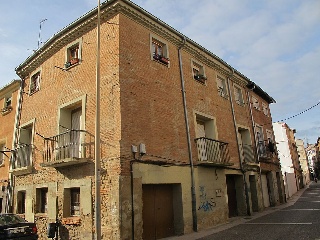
41, 215
71, 221
69, 65
6, 110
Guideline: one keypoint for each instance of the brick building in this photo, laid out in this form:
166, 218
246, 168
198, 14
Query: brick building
9, 99
179, 142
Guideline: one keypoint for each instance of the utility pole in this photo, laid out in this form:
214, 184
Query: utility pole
97, 137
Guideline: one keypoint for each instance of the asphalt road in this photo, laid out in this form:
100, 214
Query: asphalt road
298, 221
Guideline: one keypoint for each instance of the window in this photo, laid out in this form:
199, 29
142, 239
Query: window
238, 95
24, 151
21, 202
198, 72
8, 101
159, 50
222, 87
42, 200
35, 83
265, 109
71, 202
255, 103
73, 53
75, 201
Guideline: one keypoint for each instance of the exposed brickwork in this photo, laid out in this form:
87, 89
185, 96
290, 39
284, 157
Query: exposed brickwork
141, 102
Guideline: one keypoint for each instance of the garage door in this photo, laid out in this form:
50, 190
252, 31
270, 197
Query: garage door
158, 221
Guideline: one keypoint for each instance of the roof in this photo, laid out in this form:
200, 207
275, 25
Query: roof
11, 86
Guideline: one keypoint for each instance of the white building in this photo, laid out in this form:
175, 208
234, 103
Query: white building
288, 155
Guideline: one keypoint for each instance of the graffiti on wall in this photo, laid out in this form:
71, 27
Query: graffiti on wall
206, 203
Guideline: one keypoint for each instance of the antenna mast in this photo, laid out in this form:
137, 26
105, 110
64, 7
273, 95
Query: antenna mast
39, 39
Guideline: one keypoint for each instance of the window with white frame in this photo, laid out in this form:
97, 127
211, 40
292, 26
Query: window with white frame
255, 103
265, 109
35, 82
159, 50
238, 95
222, 87
73, 54
198, 72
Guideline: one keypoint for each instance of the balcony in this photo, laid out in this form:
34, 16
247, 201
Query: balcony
22, 163
266, 149
72, 147
212, 152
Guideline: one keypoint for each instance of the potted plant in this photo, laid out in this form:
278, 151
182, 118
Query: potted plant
74, 60
164, 60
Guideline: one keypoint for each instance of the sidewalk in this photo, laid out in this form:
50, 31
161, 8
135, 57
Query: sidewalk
238, 220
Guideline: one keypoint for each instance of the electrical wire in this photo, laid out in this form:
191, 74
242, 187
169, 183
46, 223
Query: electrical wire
300, 113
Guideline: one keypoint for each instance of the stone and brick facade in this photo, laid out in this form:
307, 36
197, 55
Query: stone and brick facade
179, 144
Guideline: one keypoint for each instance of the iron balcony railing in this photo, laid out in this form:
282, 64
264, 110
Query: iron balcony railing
266, 149
248, 156
76, 144
22, 156
212, 151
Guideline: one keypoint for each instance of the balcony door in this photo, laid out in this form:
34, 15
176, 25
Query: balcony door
201, 133
75, 138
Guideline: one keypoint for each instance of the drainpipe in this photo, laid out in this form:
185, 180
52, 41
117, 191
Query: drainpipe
251, 87
193, 194
132, 200
237, 138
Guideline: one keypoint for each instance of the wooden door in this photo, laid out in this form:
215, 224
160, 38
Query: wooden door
232, 196
157, 211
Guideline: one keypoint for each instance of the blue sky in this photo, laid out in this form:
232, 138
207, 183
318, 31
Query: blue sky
275, 43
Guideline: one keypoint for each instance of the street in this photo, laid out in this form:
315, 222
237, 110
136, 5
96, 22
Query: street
298, 221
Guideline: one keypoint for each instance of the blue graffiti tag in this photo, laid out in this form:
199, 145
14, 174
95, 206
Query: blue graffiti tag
207, 206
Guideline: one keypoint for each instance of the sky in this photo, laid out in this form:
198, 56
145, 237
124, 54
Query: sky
275, 43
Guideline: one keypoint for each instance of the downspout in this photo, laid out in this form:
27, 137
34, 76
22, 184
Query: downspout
11, 183
254, 137
193, 194
237, 138
132, 200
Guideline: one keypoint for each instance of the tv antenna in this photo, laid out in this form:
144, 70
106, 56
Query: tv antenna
39, 40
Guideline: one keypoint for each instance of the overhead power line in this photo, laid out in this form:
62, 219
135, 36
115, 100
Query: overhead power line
283, 120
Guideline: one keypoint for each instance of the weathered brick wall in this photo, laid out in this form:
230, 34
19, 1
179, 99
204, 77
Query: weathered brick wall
59, 87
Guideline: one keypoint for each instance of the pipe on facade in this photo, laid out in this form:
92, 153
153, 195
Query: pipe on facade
132, 201
237, 139
252, 86
193, 194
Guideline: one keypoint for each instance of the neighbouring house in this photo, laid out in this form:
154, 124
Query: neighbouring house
186, 140
9, 99
266, 150
313, 154
289, 159
303, 159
